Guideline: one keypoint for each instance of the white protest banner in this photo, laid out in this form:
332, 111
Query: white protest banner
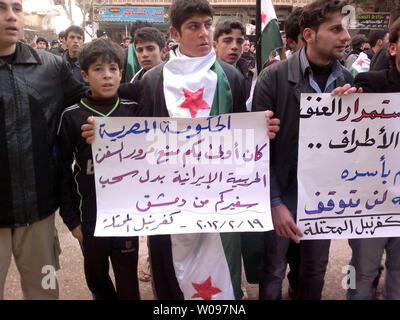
171, 176
349, 166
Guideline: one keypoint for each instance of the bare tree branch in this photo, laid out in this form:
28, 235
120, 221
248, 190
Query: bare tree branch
67, 6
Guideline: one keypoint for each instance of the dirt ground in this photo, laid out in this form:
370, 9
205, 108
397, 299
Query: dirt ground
72, 282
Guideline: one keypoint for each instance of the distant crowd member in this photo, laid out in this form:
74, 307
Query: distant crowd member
252, 48
32, 97
376, 39
170, 44
381, 60
54, 44
62, 36
75, 37
41, 43
102, 34
228, 41
228, 44
294, 38
149, 46
59, 50
283, 37
125, 42
357, 45
102, 62
247, 54
132, 65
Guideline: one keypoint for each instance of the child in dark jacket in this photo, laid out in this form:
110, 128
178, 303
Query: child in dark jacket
101, 62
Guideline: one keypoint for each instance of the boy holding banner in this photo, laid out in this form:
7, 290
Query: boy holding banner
214, 259
193, 66
101, 62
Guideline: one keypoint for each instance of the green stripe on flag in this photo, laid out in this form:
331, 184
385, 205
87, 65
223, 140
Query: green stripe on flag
222, 102
353, 71
270, 40
132, 66
231, 244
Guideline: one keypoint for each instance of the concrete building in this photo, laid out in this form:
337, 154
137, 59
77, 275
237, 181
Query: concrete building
39, 22
243, 10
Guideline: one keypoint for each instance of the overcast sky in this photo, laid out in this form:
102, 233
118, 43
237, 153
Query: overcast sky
60, 22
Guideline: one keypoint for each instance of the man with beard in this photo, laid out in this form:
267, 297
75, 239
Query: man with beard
315, 68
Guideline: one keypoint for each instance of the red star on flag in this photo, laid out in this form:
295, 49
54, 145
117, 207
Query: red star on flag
360, 62
205, 290
194, 101
263, 17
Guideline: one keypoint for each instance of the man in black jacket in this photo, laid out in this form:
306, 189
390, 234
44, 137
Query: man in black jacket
367, 253
314, 68
33, 88
380, 60
376, 39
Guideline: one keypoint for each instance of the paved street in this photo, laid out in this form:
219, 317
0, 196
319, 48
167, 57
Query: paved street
73, 285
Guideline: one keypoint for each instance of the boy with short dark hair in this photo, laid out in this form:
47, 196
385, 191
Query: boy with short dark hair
149, 46
228, 40
75, 36
41, 43
294, 37
132, 66
192, 60
228, 44
162, 92
101, 62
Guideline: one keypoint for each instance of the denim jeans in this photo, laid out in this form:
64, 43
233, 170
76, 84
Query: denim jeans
314, 256
274, 266
366, 259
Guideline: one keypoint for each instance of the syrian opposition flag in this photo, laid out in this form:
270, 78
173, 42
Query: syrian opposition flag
207, 265
269, 28
362, 64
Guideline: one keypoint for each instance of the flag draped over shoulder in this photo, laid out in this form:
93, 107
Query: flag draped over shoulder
132, 65
362, 64
270, 34
207, 265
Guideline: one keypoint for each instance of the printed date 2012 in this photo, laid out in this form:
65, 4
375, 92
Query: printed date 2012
231, 224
